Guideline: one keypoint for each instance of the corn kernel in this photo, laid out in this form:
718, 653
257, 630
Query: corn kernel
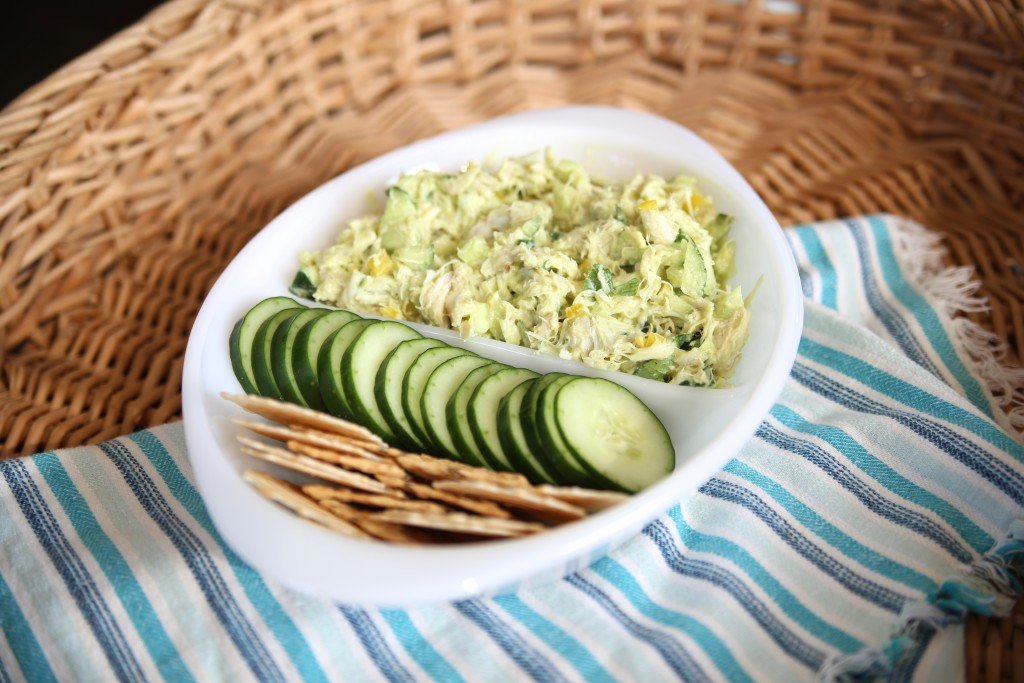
645, 341
390, 311
575, 311
647, 205
380, 264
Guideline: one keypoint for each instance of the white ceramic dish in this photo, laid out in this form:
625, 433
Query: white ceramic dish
708, 426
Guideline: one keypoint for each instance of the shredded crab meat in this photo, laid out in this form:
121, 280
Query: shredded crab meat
536, 252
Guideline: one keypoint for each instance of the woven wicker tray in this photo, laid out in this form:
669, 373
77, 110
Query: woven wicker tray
129, 178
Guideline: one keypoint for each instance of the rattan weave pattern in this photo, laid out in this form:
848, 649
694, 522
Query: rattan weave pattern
129, 178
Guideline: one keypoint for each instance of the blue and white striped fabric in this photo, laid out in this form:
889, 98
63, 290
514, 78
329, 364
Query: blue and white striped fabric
878, 503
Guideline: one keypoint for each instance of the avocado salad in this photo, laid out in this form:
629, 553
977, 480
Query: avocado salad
536, 252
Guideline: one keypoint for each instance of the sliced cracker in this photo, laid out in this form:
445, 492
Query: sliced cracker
460, 522
427, 492
310, 466
289, 413
339, 509
384, 531
396, 533
325, 493
323, 440
349, 462
287, 495
435, 469
528, 500
591, 500
375, 447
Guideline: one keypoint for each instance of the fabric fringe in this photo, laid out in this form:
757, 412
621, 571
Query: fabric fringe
990, 586
953, 292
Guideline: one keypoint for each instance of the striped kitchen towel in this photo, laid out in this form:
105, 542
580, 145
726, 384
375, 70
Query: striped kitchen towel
880, 501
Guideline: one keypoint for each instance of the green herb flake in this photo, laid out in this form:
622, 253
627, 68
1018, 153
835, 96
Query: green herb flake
627, 288
599, 279
687, 340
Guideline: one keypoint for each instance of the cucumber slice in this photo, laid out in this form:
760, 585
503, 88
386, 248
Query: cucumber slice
262, 364
567, 466
613, 433
359, 368
415, 382
528, 413
328, 367
388, 387
306, 352
456, 414
281, 347
513, 440
442, 384
243, 334
482, 414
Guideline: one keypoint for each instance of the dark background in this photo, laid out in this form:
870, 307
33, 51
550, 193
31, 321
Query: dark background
39, 37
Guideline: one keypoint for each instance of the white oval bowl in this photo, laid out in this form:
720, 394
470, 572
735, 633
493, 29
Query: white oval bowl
708, 426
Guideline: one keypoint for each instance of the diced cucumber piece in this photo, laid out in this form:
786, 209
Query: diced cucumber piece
693, 276
482, 414
302, 285
244, 333
388, 388
458, 417
328, 367
613, 433
359, 366
513, 440
281, 347
262, 363
720, 225
474, 250
416, 381
396, 226
442, 384
306, 353
417, 257
655, 369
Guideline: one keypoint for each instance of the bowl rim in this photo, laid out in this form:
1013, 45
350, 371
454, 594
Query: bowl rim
497, 565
